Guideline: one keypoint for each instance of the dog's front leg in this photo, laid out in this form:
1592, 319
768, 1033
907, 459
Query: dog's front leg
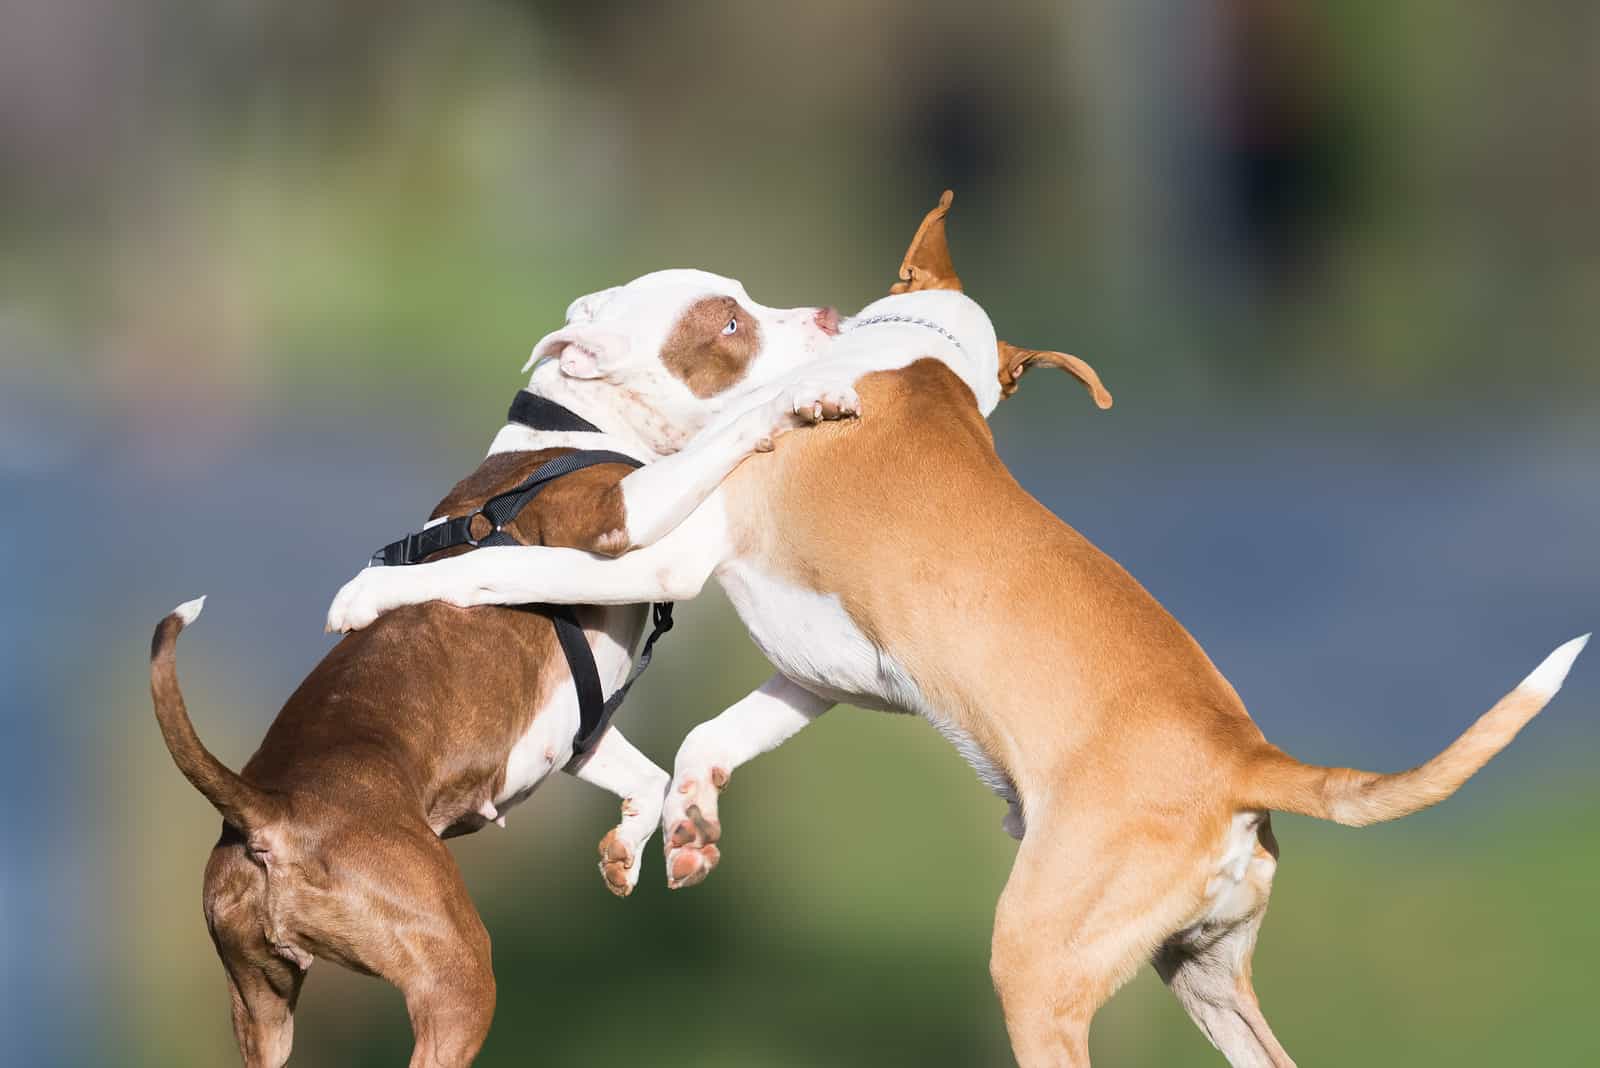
658, 497
614, 764
673, 569
757, 724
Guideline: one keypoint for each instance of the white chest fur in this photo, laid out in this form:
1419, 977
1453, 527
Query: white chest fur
811, 638
547, 743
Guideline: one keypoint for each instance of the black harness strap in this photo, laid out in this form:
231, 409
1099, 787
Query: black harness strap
594, 708
539, 413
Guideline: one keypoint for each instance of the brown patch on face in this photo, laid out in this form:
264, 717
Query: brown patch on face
700, 351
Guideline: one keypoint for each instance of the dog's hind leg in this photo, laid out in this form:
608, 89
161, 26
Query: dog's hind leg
430, 942
615, 765
384, 896
264, 984
1086, 903
1208, 968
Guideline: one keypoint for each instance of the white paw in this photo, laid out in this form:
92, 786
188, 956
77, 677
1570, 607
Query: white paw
356, 605
691, 829
816, 400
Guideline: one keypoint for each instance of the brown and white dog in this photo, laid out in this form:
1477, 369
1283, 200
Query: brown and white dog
887, 562
436, 721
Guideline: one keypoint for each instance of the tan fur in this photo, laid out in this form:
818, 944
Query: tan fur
1145, 785
927, 265
1015, 360
1131, 754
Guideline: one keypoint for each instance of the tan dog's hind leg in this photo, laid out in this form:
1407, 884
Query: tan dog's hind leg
1208, 968
1212, 982
1087, 902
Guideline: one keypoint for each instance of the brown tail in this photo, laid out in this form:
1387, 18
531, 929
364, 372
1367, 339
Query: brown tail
1276, 780
242, 805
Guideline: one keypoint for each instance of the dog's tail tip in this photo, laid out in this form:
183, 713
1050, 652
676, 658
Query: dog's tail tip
1546, 680
189, 611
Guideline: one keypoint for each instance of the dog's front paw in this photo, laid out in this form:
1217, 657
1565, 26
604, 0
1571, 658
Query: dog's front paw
691, 829
619, 863
356, 605
816, 400
811, 400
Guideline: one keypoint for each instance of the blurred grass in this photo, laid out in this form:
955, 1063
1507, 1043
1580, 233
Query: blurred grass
848, 922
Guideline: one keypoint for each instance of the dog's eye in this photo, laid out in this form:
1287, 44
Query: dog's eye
732, 327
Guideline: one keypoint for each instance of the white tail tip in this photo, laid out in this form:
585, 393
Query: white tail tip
189, 611
1548, 676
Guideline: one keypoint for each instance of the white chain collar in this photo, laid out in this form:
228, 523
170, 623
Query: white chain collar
908, 320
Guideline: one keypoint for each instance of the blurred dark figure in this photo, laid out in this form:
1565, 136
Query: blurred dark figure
1273, 136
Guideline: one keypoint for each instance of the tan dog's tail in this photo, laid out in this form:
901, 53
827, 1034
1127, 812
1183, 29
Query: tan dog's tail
1276, 780
242, 805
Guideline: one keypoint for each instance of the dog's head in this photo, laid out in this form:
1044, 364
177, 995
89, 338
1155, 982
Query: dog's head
682, 344
927, 266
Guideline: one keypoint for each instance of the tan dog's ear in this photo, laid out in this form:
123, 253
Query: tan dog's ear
927, 263
1014, 361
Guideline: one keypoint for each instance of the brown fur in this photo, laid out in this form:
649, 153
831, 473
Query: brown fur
697, 351
331, 846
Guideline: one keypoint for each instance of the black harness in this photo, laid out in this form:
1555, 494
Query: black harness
538, 413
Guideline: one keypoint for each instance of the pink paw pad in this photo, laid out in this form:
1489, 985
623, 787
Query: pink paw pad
691, 849
616, 860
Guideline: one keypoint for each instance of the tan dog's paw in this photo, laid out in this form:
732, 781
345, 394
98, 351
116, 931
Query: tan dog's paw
619, 865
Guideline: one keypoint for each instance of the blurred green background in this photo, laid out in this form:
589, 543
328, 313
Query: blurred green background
268, 270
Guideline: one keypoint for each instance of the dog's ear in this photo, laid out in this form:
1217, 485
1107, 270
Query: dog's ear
1014, 361
927, 262
584, 351
586, 307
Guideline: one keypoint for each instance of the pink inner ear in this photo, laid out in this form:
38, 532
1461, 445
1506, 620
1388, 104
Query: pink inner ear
578, 361
581, 350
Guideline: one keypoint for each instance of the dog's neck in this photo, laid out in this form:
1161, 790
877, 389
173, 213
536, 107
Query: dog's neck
598, 403
942, 323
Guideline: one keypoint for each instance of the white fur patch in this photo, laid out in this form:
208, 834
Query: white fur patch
889, 345
1547, 678
812, 639
1229, 895
189, 611
547, 743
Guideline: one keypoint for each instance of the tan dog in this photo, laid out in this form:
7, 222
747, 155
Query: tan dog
894, 562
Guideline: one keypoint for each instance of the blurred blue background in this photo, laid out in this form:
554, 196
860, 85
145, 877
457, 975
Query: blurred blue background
267, 272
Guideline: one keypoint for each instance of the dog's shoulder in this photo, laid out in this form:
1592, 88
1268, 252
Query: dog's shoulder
576, 511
